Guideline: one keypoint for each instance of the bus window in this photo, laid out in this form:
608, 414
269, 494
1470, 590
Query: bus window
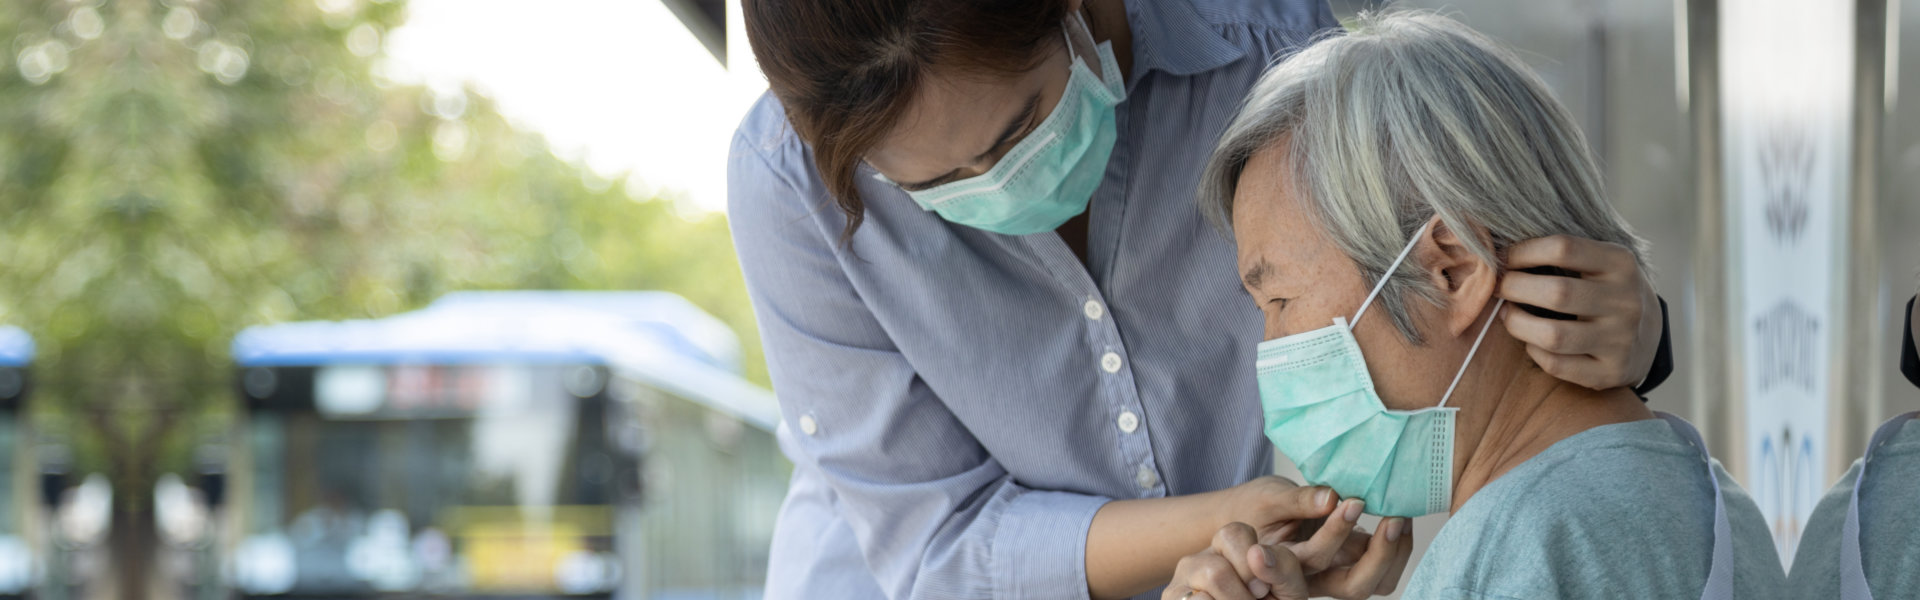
473, 479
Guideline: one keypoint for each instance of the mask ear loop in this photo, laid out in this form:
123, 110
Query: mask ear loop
1383, 285
1470, 351
1074, 49
1389, 274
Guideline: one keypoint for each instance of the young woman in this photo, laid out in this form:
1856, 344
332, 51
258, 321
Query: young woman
1012, 359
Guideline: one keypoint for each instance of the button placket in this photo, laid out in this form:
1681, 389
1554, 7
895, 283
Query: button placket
1115, 379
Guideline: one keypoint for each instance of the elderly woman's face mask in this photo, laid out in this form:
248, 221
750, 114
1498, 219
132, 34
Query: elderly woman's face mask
1323, 413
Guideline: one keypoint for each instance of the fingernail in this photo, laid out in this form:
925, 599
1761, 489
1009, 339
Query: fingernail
1266, 556
1258, 588
1353, 510
1394, 528
1320, 499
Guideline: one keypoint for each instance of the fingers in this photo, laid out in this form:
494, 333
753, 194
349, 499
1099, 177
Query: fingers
1371, 570
1578, 254
1322, 550
1616, 335
1287, 502
1232, 542
1181, 592
1287, 531
1585, 353
1581, 370
1295, 532
1402, 535
1279, 567
1208, 572
1584, 298
1561, 337
1355, 546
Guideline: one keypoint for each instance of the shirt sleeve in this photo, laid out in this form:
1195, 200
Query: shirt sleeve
935, 515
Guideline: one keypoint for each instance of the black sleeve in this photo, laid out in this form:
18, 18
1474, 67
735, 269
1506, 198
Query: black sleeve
1910, 354
1662, 359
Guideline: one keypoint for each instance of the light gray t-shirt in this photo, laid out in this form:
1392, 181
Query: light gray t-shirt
1889, 527
1617, 511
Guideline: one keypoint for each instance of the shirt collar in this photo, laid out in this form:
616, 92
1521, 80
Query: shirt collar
1170, 36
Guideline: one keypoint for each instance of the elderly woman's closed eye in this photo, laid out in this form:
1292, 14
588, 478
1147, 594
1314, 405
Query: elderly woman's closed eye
1373, 184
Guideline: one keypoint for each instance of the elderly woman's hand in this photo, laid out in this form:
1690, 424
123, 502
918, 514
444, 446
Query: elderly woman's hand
1618, 332
1245, 564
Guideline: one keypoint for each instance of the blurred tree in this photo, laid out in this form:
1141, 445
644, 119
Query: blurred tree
173, 171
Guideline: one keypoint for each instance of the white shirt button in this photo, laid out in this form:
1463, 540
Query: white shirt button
1110, 362
1129, 421
1146, 478
1094, 310
808, 426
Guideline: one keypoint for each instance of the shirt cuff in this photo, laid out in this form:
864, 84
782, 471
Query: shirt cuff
1040, 546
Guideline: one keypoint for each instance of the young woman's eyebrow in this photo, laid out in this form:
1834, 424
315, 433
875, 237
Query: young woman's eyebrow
1013, 128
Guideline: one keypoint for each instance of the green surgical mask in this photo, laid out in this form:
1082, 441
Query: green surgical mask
1323, 413
1050, 175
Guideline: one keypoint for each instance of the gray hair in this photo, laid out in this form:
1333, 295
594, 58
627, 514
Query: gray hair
1411, 115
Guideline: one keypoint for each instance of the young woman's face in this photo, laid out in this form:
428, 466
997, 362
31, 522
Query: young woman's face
958, 126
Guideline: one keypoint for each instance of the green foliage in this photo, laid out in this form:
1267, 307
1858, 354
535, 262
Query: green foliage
195, 167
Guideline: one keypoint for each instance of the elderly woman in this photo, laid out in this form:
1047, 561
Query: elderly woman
1859, 542
1373, 184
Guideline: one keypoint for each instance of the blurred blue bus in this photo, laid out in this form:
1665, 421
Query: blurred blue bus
21, 547
502, 444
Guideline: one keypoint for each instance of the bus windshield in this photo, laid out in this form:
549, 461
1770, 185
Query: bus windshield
474, 479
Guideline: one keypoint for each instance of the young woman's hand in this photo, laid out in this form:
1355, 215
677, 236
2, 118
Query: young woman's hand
1617, 335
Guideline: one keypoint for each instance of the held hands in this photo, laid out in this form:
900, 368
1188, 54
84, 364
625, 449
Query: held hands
1306, 545
1618, 332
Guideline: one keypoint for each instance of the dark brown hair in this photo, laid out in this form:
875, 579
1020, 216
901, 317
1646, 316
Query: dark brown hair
847, 69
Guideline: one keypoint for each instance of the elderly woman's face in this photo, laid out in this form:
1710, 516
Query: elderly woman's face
1301, 280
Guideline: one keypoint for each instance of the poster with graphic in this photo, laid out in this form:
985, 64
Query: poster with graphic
1786, 131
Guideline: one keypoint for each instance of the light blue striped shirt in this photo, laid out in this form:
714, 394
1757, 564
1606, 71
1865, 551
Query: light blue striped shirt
958, 403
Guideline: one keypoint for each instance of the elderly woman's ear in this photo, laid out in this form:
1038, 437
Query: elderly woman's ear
1465, 282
